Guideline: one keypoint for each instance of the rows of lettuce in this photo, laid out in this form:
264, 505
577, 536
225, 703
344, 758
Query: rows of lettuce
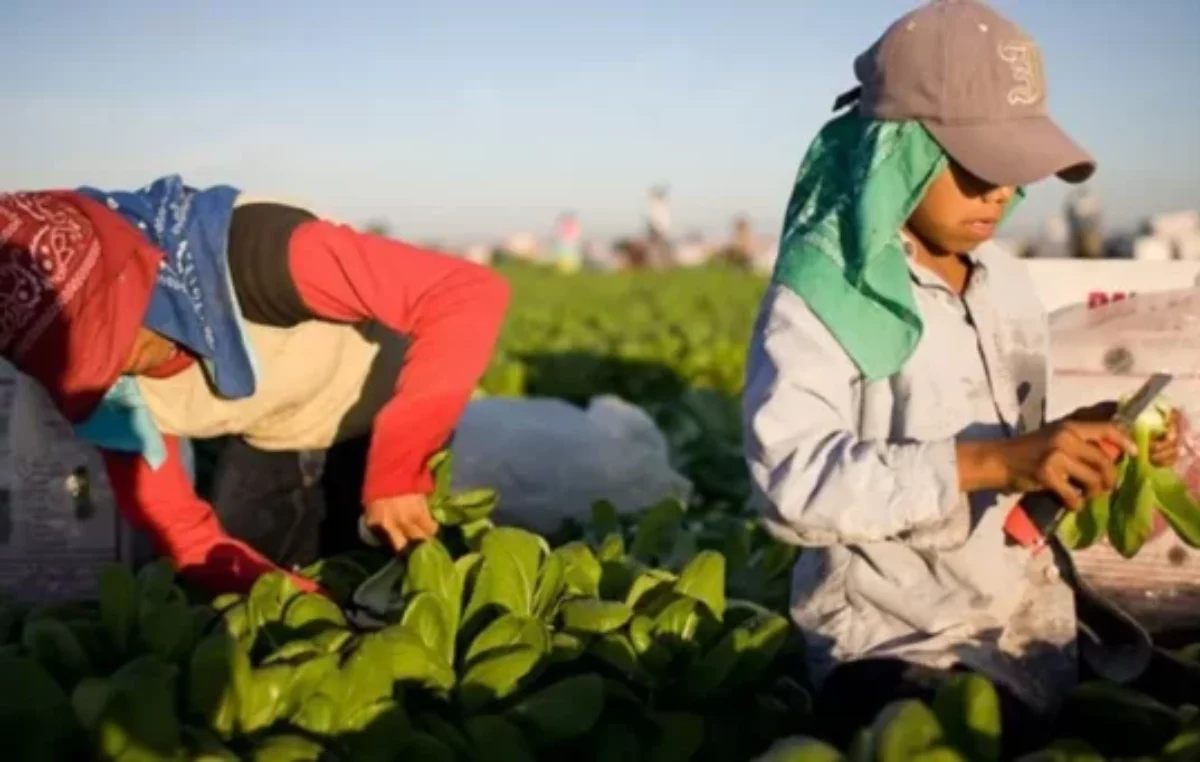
657, 637
489, 644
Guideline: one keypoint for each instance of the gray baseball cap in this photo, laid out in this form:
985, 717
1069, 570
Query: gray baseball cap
976, 82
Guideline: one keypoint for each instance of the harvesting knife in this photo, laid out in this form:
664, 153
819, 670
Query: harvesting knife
1037, 515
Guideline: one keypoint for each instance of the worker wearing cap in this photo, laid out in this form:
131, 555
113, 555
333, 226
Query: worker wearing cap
896, 385
173, 312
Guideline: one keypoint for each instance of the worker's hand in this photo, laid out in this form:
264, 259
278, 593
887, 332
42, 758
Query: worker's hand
401, 519
1164, 449
1064, 457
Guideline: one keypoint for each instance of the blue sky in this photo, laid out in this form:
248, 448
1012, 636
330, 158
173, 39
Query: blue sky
456, 119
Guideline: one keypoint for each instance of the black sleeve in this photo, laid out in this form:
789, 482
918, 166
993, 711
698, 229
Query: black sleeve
258, 264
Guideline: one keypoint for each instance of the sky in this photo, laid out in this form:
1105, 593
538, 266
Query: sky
457, 120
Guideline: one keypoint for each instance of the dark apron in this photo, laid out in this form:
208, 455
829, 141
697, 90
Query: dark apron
293, 507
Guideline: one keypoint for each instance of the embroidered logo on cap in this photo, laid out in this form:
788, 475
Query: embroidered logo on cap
1026, 66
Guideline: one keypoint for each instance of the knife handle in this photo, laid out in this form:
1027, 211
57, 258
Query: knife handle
1036, 515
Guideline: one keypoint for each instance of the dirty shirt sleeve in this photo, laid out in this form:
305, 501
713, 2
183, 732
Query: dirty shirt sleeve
816, 482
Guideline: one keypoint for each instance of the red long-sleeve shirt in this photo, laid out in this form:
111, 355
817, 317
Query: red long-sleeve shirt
451, 311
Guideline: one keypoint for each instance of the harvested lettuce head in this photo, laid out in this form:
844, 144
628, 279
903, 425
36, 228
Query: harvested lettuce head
1144, 491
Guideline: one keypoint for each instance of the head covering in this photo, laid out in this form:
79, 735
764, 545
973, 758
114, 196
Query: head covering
75, 281
976, 82
841, 250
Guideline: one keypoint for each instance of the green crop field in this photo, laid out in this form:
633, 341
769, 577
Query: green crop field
662, 637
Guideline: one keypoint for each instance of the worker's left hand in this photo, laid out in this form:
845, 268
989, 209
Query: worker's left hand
402, 519
1164, 449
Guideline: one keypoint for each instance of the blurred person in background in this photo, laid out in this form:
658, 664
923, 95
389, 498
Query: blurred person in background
658, 228
172, 312
1085, 220
568, 250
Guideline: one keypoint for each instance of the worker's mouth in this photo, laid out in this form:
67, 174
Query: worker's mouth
983, 228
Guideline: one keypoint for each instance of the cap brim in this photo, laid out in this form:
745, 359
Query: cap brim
1015, 151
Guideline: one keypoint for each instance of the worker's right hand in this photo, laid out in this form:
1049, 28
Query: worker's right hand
401, 519
1064, 457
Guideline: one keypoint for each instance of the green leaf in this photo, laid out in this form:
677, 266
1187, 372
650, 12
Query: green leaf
611, 549
215, 671
712, 670
903, 730
1117, 716
495, 740
1177, 505
447, 733
1083, 528
703, 579
680, 737
155, 582
166, 629
508, 575
312, 612
236, 621
551, 586
565, 710
269, 597
581, 570
594, 616
766, 635
466, 507
57, 649
566, 647
474, 532
376, 733
204, 746
605, 519
140, 720
647, 584
340, 575
426, 616
431, 570
1132, 519
287, 748
331, 640
679, 620
383, 592
308, 676
656, 530
409, 660
466, 566
801, 749
317, 714
36, 722
89, 699
506, 631
969, 711
618, 652
497, 674
365, 681
265, 697
202, 618
118, 594
441, 466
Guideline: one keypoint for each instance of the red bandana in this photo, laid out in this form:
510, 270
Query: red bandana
75, 281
